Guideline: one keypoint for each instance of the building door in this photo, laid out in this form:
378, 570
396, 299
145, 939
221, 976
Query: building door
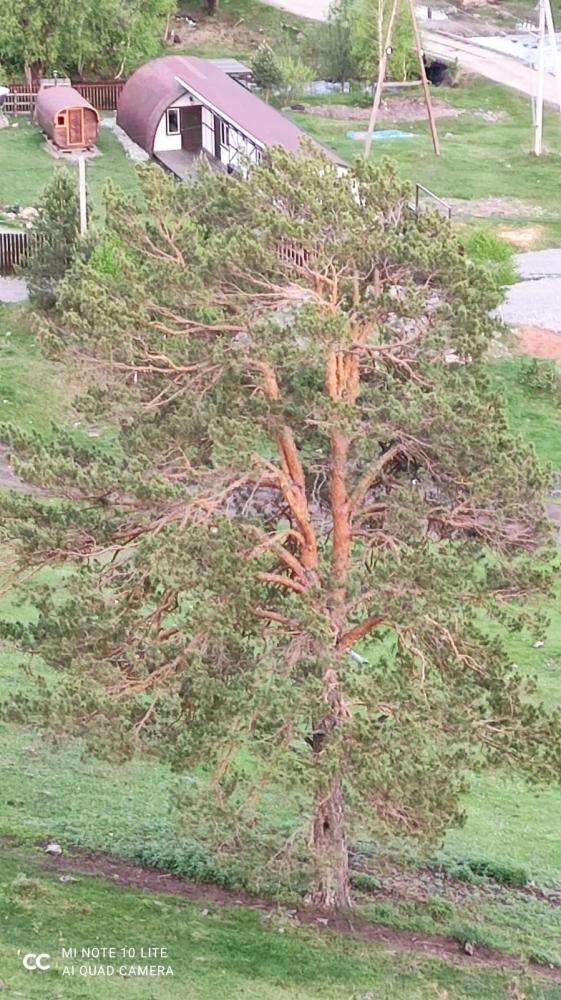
191, 125
75, 127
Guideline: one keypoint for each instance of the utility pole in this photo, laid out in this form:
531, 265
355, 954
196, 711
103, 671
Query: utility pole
83, 196
380, 82
382, 76
424, 80
538, 123
553, 44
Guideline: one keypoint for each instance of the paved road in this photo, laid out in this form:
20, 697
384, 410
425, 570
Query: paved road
12, 290
536, 301
493, 65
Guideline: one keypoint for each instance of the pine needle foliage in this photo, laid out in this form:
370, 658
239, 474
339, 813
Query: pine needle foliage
310, 463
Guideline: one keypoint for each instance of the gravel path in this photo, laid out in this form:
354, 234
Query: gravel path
131, 149
536, 301
12, 290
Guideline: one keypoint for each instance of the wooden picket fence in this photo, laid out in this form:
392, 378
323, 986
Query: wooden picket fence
102, 95
15, 247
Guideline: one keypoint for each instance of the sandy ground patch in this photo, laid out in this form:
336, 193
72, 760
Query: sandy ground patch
524, 237
539, 343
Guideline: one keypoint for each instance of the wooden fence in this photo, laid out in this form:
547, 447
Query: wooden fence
15, 247
102, 95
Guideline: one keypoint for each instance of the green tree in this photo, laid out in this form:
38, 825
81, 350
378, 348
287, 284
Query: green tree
368, 30
281, 575
58, 235
328, 45
267, 72
295, 74
106, 36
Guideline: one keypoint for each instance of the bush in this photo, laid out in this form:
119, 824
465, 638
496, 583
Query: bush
542, 376
58, 232
191, 861
364, 881
467, 933
106, 256
495, 255
474, 869
440, 909
266, 69
295, 74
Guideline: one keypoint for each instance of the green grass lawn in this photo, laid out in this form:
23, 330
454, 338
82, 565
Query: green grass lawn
26, 167
213, 950
479, 158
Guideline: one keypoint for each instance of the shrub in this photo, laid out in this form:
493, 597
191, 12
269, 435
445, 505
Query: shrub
440, 909
474, 869
295, 74
106, 256
542, 376
58, 232
364, 881
467, 933
495, 255
266, 69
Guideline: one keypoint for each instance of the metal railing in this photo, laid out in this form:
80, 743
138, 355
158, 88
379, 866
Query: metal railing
442, 206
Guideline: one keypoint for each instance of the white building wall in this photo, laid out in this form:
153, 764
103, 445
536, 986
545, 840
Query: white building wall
164, 142
208, 131
235, 153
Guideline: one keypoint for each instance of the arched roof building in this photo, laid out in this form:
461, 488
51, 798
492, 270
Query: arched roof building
179, 106
66, 117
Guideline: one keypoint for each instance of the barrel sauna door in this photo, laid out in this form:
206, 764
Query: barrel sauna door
75, 127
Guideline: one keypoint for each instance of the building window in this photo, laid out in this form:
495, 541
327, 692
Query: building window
60, 120
224, 134
172, 121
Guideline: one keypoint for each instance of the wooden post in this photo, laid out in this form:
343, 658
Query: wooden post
424, 80
380, 83
82, 192
554, 49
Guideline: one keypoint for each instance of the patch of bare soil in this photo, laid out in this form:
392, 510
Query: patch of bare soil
128, 873
403, 108
486, 208
226, 32
524, 237
539, 343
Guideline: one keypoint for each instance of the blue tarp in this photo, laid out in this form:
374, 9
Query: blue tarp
388, 133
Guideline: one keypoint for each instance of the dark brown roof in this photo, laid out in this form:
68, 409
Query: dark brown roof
52, 100
155, 86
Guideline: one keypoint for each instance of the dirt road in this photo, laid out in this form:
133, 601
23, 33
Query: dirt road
316, 9
493, 65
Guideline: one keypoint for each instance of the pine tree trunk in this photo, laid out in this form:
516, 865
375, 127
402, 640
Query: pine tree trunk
331, 859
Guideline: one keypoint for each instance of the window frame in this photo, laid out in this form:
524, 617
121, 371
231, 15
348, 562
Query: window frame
170, 131
224, 134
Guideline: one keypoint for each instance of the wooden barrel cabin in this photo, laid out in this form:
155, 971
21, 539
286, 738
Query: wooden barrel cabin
68, 120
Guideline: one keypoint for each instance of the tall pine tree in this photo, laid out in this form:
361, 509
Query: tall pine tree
281, 568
